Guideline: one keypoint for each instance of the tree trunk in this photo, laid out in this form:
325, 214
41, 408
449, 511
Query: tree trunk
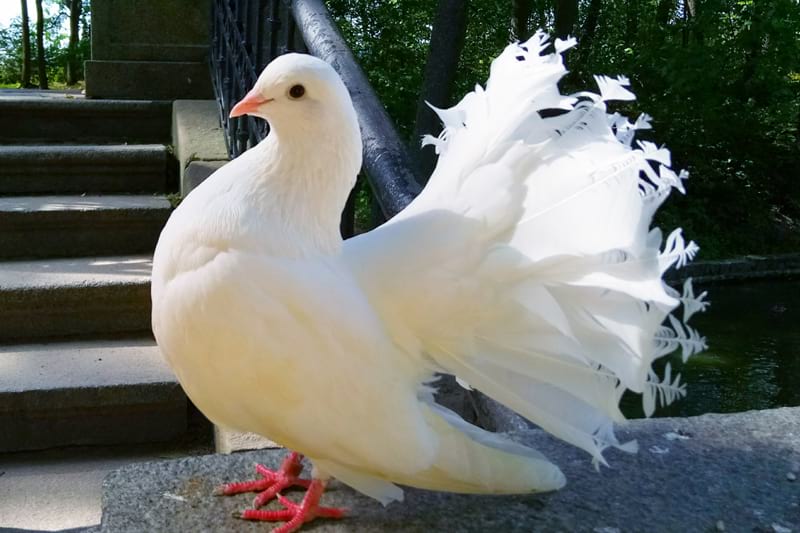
542, 15
447, 40
588, 30
25, 82
695, 26
73, 68
521, 19
632, 23
663, 12
754, 42
40, 45
687, 16
566, 15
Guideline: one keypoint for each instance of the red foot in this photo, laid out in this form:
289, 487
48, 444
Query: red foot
271, 483
297, 515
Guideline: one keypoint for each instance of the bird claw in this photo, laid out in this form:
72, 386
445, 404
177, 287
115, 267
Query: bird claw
271, 482
296, 514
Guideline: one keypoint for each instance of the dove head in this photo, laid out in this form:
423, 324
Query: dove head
300, 94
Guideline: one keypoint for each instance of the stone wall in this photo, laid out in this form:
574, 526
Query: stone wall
149, 49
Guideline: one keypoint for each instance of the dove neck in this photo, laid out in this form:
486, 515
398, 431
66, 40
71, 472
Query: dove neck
306, 184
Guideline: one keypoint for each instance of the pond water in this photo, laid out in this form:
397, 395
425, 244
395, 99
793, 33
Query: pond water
753, 356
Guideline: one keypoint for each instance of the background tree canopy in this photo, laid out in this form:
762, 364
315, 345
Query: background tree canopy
720, 77
66, 45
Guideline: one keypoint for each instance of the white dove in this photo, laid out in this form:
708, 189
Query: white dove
526, 268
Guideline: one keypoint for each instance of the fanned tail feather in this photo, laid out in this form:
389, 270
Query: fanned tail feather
579, 317
527, 266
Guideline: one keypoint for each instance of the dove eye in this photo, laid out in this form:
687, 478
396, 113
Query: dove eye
297, 91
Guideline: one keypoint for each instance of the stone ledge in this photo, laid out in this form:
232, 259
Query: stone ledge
689, 474
229, 441
196, 173
199, 141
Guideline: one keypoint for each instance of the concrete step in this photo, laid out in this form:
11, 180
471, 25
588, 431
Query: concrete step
70, 226
96, 392
30, 119
74, 297
63, 169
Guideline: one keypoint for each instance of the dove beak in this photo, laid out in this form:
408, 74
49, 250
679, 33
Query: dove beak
250, 103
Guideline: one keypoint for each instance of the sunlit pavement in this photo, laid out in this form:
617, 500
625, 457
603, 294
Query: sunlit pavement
61, 489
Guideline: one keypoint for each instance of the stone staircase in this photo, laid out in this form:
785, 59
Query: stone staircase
83, 197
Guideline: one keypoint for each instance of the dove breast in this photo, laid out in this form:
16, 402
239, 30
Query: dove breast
284, 346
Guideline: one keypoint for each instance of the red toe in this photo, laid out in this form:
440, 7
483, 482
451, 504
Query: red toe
271, 482
296, 514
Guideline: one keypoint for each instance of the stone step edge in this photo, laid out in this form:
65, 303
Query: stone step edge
51, 205
84, 297
91, 392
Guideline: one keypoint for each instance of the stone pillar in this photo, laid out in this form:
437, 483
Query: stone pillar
149, 49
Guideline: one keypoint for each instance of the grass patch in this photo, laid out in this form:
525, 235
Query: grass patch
55, 85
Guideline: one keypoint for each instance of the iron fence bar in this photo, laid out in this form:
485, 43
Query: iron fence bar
235, 67
275, 27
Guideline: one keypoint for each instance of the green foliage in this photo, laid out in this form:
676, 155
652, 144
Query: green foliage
11, 53
720, 77
56, 38
390, 40
720, 87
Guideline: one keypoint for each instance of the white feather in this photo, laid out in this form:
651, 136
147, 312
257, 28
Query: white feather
614, 88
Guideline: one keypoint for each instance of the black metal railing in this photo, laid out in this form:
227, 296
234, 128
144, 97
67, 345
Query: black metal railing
248, 34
